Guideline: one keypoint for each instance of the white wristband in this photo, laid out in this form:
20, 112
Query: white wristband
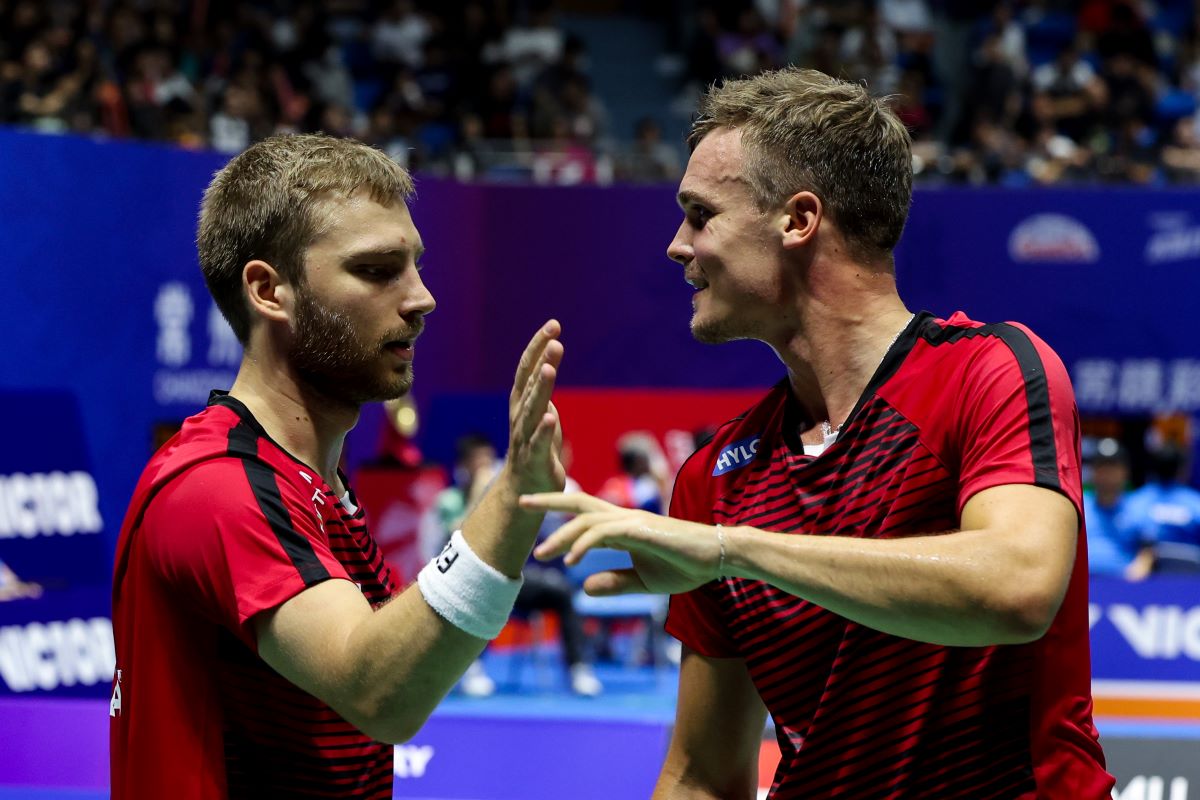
469, 593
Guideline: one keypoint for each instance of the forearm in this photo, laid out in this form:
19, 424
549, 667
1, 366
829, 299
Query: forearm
676, 782
963, 588
402, 660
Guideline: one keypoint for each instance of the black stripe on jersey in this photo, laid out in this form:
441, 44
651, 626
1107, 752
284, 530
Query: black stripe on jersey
1037, 390
243, 444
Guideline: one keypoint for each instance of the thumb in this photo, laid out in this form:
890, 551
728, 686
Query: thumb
614, 582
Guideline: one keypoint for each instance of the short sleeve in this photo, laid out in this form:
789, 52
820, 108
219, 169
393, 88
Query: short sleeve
1016, 419
695, 618
236, 540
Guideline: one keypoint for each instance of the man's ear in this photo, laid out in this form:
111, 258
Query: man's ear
269, 296
802, 215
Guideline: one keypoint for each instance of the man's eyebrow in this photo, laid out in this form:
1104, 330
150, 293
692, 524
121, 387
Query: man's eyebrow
689, 198
388, 252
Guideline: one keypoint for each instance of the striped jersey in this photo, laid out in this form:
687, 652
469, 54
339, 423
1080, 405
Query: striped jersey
225, 524
956, 407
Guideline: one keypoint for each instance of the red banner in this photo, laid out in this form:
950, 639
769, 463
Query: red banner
398, 503
595, 419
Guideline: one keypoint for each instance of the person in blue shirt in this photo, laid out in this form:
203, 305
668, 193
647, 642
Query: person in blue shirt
1112, 544
1165, 510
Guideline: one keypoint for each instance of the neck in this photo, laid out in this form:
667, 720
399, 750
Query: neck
847, 320
309, 425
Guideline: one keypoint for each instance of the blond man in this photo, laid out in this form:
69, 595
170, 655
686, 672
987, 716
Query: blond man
263, 648
885, 552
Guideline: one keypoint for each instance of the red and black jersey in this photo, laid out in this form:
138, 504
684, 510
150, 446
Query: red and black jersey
956, 407
225, 524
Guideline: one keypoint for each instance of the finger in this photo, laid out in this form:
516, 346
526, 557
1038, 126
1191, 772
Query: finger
608, 531
534, 404
562, 539
614, 582
571, 503
541, 443
532, 355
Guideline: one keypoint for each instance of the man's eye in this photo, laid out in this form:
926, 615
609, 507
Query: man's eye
377, 272
700, 216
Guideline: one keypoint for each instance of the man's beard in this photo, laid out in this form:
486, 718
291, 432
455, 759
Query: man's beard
330, 355
718, 331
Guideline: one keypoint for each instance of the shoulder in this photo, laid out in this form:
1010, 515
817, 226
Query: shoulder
960, 343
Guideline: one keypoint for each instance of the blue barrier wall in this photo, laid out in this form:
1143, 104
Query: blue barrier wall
104, 305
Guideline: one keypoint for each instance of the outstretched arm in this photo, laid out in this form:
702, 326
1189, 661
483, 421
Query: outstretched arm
1000, 579
386, 670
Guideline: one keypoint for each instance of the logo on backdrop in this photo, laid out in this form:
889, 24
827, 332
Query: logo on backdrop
1053, 238
411, 760
1153, 631
1137, 385
1176, 237
48, 504
48, 655
190, 366
1152, 787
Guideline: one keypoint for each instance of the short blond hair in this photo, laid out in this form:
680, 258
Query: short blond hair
805, 131
263, 205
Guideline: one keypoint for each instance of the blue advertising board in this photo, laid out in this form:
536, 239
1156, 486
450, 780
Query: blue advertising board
1147, 631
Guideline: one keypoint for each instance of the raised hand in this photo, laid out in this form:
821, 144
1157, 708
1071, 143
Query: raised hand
535, 432
669, 555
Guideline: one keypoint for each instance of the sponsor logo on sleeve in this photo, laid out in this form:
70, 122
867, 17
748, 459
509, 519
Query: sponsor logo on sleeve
736, 455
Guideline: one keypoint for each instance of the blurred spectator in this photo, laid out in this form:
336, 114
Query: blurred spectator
910, 105
642, 481
868, 52
751, 47
530, 48
563, 159
998, 83
1164, 510
1068, 95
650, 159
1181, 154
1112, 543
398, 37
1038, 91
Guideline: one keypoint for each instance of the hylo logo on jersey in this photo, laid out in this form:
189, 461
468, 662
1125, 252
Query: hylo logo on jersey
736, 455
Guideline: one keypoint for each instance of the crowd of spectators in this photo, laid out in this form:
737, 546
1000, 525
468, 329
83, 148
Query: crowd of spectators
445, 86
1026, 91
1022, 92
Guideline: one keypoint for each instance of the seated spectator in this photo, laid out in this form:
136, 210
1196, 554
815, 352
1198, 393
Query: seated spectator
1166, 509
650, 159
1068, 95
1181, 154
749, 49
1112, 544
